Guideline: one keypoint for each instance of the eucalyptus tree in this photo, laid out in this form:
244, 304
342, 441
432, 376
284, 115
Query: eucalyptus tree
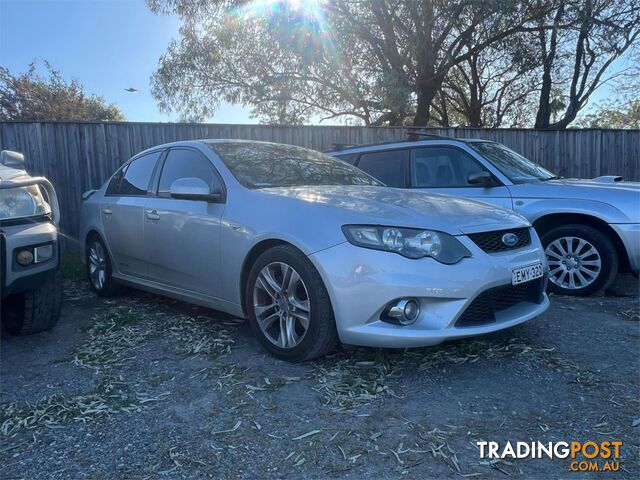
380, 61
494, 87
578, 43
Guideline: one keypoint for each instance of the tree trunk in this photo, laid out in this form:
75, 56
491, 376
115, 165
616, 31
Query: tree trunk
444, 120
474, 115
543, 117
423, 110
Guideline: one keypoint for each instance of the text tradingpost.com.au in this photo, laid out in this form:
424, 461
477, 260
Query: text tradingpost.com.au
584, 456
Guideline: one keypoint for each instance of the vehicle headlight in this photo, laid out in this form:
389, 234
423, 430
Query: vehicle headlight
22, 202
409, 242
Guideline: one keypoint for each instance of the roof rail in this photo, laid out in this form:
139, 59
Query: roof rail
414, 135
342, 146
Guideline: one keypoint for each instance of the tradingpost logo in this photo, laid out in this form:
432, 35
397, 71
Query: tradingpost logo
584, 456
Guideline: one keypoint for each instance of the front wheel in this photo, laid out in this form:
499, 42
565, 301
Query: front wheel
36, 310
288, 306
582, 259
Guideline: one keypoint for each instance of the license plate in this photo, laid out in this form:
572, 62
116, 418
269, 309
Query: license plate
526, 274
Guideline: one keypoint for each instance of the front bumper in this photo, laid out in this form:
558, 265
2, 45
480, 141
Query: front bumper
629, 233
15, 278
362, 282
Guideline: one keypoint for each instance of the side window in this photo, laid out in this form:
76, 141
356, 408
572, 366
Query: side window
442, 167
389, 167
138, 175
182, 163
114, 185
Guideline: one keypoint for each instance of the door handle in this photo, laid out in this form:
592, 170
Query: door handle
152, 214
107, 210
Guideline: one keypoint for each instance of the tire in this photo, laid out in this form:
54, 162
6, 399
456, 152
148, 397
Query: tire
107, 286
304, 296
36, 310
588, 246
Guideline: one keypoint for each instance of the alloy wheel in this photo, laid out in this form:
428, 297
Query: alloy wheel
97, 265
281, 305
574, 263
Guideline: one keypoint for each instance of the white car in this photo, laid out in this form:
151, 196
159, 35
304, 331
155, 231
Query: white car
30, 285
311, 250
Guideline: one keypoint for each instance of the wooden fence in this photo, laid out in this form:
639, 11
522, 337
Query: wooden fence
80, 156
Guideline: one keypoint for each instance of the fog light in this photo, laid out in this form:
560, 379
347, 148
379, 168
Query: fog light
411, 310
24, 257
405, 311
43, 253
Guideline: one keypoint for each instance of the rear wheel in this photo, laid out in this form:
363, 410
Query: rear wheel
99, 268
288, 306
582, 259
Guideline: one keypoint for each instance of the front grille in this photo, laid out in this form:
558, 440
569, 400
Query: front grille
483, 308
491, 242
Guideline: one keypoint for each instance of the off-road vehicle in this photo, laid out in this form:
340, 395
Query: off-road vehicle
30, 286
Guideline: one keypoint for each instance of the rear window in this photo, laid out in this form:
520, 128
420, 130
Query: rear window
389, 166
264, 165
134, 178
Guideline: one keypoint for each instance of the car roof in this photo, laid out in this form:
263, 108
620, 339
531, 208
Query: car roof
191, 143
389, 145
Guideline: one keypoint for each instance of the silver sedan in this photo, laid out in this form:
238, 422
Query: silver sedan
312, 251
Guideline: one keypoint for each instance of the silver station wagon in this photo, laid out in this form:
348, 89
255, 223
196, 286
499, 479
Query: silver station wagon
311, 250
590, 229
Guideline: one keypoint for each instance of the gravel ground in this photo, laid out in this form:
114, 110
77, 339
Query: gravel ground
144, 387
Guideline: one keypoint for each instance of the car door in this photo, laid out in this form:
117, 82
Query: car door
183, 236
446, 169
122, 211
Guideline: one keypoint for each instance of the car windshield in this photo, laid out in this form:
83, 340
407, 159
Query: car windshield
264, 165
515, 167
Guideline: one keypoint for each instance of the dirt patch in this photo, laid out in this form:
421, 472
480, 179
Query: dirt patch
145, 387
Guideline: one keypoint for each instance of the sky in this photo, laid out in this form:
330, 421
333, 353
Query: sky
108, 45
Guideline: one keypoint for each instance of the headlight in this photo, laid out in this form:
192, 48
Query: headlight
22, 202
409, 242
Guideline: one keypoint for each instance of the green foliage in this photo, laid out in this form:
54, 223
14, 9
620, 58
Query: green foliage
376, 60
31, 96
610, 115
393, 62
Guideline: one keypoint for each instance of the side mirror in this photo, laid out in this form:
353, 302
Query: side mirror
12, 159
483, 179
192, 188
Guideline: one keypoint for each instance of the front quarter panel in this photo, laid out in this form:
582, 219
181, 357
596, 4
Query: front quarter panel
252, 216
